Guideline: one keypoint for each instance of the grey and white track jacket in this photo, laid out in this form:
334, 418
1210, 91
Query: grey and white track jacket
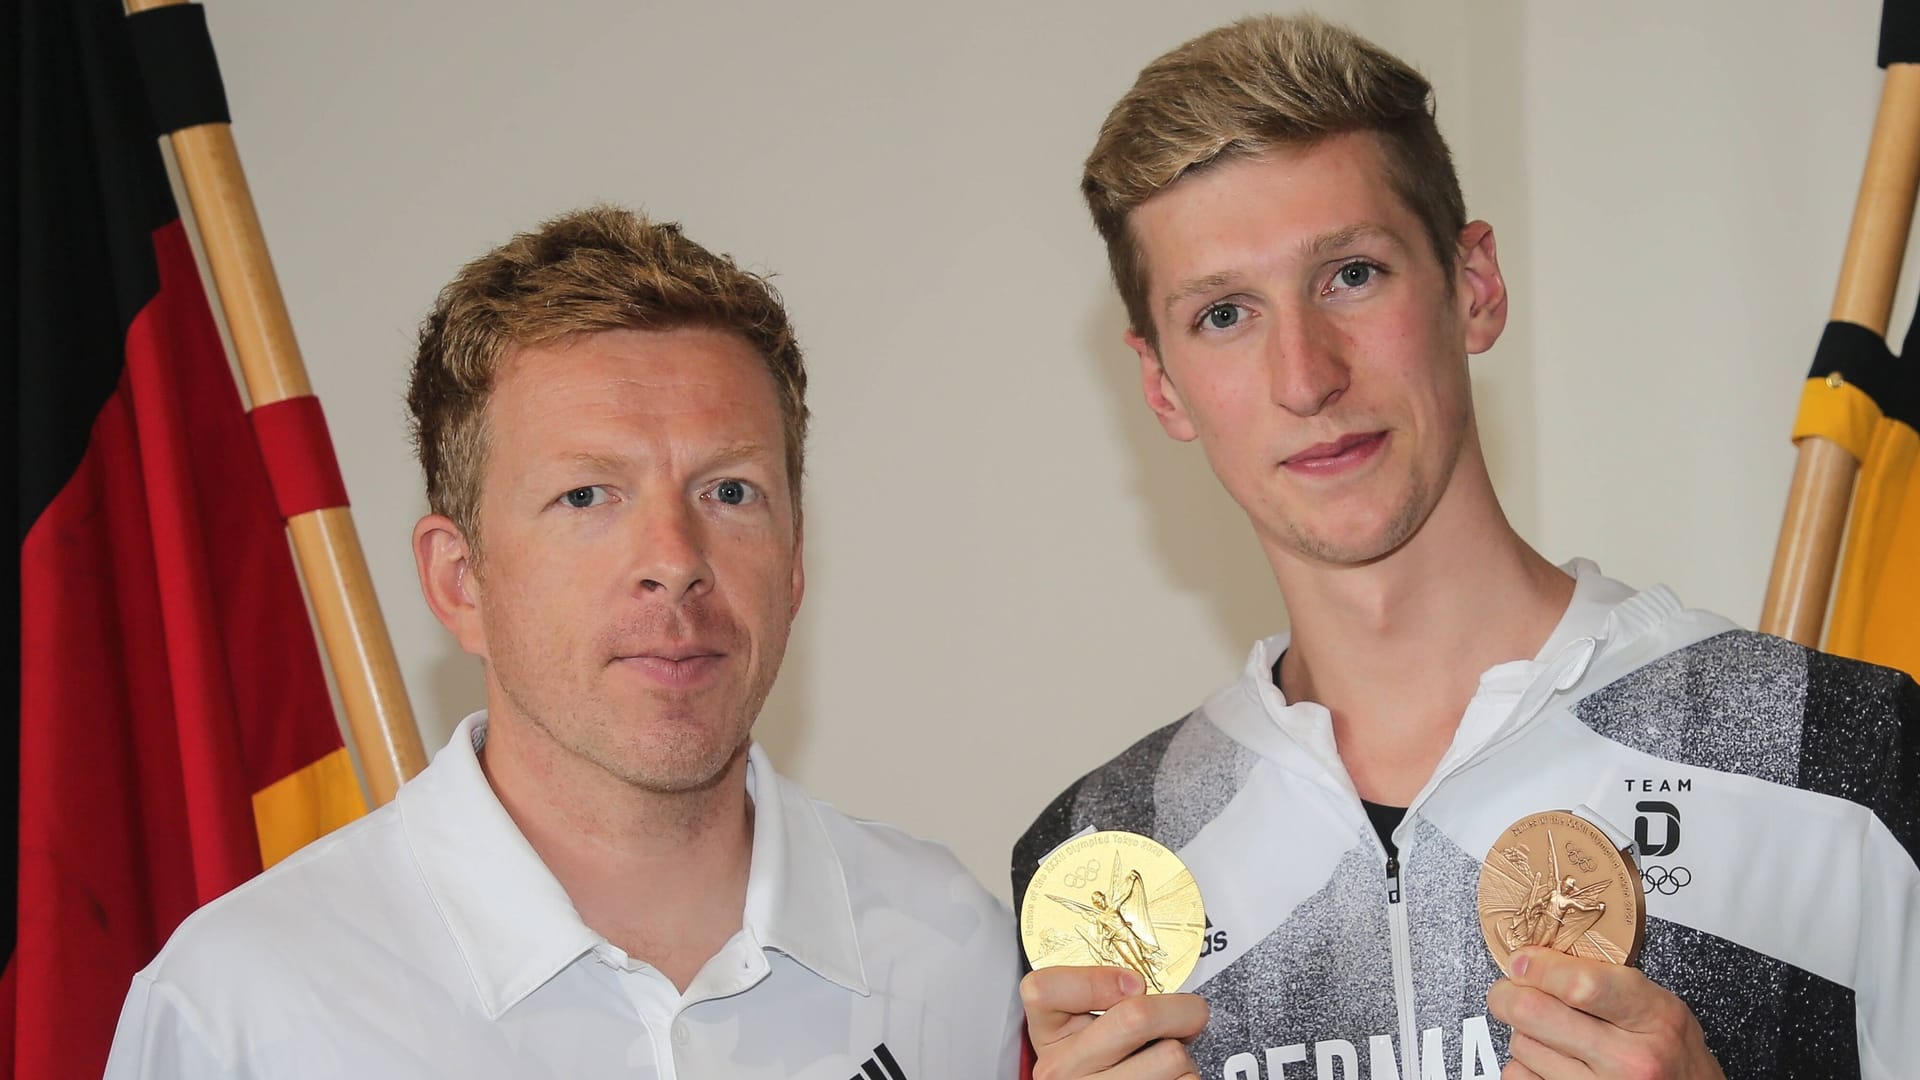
1772, 793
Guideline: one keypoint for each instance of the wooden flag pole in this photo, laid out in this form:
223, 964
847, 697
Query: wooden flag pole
325, 542
1809, 547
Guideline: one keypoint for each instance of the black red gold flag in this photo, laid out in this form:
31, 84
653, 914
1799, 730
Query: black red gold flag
168, 726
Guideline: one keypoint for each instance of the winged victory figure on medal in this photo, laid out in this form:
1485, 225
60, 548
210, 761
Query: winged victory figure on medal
1117, 928
1547, 908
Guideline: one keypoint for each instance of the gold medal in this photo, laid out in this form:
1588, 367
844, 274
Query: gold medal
1115, 899
1554, 879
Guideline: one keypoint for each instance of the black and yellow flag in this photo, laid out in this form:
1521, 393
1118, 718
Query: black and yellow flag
1867, 400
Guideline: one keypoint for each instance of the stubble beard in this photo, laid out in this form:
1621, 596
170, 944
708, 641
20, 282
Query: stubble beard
664, 743
1406, 520
1423, 494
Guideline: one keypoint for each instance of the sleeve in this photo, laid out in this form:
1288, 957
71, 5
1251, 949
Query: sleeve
1897, 802
1888, 983
160, 1038
1016, 1060
1860, 741
1013, 1018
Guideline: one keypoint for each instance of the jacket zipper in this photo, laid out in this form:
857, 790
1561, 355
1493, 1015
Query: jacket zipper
1402, 971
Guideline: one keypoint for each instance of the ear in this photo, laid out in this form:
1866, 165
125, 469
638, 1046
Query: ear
799, 569
444, 560
1481, 291
1157, 386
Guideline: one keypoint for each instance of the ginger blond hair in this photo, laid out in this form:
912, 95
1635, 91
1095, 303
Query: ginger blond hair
602, 268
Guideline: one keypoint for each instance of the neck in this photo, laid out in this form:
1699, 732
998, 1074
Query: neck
1395, 648
662, 875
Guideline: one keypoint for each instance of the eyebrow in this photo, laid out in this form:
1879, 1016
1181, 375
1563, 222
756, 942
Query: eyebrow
1192, 289
736, 453
1347, 237
1312, 248
591, 460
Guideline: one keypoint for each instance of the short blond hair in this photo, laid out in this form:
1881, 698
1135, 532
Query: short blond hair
603, 268
1264, 82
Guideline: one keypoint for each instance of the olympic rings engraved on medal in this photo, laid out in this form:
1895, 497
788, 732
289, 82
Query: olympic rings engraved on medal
1082, 876
1137, 906
1664, 881
1534, 890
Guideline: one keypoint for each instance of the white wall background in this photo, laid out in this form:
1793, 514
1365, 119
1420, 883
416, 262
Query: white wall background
1012, 574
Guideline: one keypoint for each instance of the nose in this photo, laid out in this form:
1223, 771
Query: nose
1306, 363
670, 560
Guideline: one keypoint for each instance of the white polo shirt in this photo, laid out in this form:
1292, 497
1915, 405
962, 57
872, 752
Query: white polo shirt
429, 940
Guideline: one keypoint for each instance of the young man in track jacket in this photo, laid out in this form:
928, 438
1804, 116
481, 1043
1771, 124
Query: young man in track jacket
1287, 232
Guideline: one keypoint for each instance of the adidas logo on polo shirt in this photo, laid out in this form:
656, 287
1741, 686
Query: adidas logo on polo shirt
880, 1066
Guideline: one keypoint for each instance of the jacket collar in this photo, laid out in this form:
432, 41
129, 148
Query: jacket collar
1607, 631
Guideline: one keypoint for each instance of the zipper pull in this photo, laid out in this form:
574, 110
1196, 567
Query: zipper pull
1393, 879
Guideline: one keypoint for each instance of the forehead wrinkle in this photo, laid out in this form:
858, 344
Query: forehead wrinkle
736, 453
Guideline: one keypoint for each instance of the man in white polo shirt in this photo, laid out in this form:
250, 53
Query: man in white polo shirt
600, 875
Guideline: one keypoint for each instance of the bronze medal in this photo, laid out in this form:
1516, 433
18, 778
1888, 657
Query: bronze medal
1554, 879
1115, 899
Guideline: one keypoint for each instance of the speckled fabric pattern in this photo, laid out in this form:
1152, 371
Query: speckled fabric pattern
1118, 795
1761, 1017
1111, 798
1863, 741
1451, 966
1321, 975
1198, 776
1734, 702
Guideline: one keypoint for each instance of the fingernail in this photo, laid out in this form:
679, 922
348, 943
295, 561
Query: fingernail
1131, 983
1521, 962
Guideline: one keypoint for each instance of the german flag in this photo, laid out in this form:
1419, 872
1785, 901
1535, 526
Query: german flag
170, 726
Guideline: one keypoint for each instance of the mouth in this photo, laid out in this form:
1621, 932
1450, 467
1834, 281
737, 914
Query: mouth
1340, 455
675, 668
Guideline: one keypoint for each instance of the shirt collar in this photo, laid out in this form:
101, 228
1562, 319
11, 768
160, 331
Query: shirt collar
797, 897
515, 926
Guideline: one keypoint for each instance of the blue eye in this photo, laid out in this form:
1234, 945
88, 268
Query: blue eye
1354, 275
731, 492
1221, 316
581, 498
